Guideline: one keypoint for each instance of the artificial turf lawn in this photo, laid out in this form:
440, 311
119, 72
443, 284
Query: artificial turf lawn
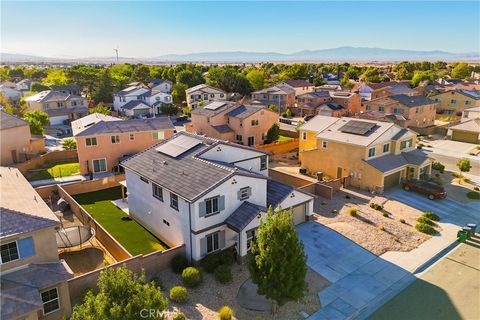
55, 170
131, 235
284, 138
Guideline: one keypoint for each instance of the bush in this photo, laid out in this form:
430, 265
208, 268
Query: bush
430, 215
476, 188
425, 228
191, 276
223, 274
382, 228
402, 221
425, 220
352, 212
178, 263
179, 294
438, 166
474, 195
225, 313
179, 316
385, 214
227, 257
210, 262
376, 206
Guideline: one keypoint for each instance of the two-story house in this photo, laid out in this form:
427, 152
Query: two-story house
366, 154
73, 89
373, 90
206, 194
24, 85
453, 102
60, 107
470, 114
162, 85
417, 111
33, 279
308, 103
300, 86
103, 144
281, 95
204, 92
335, 102
139, 99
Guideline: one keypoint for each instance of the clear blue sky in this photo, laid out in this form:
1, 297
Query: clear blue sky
148, 29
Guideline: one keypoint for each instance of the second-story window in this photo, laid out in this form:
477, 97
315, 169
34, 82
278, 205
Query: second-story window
211, 206
263, 163
158, 135
254, 122
50, 300
304, 135
9, 252
157, 191
91, 141
60, 104
324, 144
386, 147
115, 139
381, 108
132, 136
405, 144
397, 110
371, 152
239, 138
174, 201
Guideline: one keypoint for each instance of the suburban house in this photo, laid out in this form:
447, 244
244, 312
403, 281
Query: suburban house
471, 113
139, 99
300, 86
453, 102
203, 92
352, 102
74, 89
17, 143
281, 95
334, 102
206, 193
33, 279
243, 124
103, 144
367, 154
161, 85
10, 93
308, 103
24, 85
331, 109
87, 121
60, 107
468, 131
373, 90
417, 111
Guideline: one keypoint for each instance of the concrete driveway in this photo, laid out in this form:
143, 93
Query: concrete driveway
361, 281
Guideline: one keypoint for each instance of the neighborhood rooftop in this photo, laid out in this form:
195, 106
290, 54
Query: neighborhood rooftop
411, 101
133, 125
8, 121
244, 111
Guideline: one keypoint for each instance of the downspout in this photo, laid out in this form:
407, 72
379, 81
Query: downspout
190, 225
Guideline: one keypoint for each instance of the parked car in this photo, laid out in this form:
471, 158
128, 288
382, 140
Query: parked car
430, 189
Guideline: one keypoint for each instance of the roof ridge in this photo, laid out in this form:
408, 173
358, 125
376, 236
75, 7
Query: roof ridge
27, 214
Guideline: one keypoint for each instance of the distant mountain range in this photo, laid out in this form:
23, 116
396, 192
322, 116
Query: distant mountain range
335, 54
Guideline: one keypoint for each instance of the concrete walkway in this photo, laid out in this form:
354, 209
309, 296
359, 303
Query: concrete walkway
46, 182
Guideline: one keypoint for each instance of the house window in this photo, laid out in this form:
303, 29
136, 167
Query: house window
405, 144
239, 138
60, 104
381, 108
250, 238
324, 144
304, 136
166, 222
437, 100
386, 147
157, 191
74, 103
251, 141
9, 252
212, 95
397, 110
144, 179
212, 242
99, 165
91, 141
371, 152
368, 107
158, 135
174, 201
244, 193
115, 139
449, 111
453, 101
122, 99
221, 95
132, 136
254, 122
211, 206
50, 301
263, 163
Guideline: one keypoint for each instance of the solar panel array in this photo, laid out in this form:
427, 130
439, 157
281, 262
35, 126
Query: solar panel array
215, 105
178, 145
357, 127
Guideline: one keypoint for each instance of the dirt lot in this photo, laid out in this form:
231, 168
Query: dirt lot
213, 295
285, 159
369, 228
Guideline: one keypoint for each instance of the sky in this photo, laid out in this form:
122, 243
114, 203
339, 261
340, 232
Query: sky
154, 28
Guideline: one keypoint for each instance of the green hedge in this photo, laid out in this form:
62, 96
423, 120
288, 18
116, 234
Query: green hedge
425, 228
223, 274
192, 277
179, 294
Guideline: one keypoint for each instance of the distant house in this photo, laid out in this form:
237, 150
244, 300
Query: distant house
139, 99
103, 144
418, 111
331, 109
471, 113
161, 85
468, 131
10, 93
34, 281
24, 85
73, 89
17, 143
352, 102
308, 103
203, 92
300, 86
329, 87
372, 90
60, 107
206, 194
453, 102
331, 79
243, 124
281, 95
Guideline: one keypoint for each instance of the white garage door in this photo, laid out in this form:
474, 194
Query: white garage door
298, 213
58, 120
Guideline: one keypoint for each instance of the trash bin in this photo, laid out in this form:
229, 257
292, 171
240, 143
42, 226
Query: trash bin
472, 226
468, 230
462, 235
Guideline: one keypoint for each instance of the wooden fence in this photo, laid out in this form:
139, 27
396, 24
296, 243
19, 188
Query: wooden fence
47, 157
279, 147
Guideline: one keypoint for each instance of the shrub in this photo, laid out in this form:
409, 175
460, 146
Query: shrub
425, 228
425, 220
474, 195
179, 294
430, 215
225, 313
352, 212
376, 206
223, 274
402, 221
476, 188
385, 214
191, 276
382, 228
178, 263
210, 262
179, 316
438, 166
227, 257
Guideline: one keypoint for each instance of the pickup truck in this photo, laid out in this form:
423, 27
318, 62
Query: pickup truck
430, 189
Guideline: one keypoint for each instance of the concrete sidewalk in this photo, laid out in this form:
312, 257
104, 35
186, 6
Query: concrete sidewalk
46, 182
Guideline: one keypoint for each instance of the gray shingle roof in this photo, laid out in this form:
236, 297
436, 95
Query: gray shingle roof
15, 222
204, 88
401, 134
470, 93
211, 113
277, 192
412, 101
242, 216
416, 157
470, 126
8, 121
65, 111
223, 128
133, 125
134, 103
68, 87
391, 161
244, 111
298, 83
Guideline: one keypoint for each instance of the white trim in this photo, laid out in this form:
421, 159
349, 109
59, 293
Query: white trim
18, 252
92, 145
43, 303
93, 166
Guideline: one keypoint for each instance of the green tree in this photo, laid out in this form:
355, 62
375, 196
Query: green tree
38, 120
102, 108
141, 73
190, 78
16, 72
169, 109
121, 295
372, 74
273, 133
464, 166
104, 91
420, 76
461, 71
69, 144
88, 77
37, 87
56, 77
6, 104
346, 82
256, 78
178, 92
278, 264
299, 124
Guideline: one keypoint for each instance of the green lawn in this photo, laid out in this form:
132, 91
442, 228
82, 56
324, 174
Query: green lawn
54, 170
131, 235
283, 138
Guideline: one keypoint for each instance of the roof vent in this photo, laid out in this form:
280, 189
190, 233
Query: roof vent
164, 162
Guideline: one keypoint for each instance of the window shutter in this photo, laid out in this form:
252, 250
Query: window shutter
239, 195
203, 246
201, 208
221, 239
221, 203
26, 247
249, 191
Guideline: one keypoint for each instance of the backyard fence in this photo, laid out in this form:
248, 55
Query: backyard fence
48, 157
279, 147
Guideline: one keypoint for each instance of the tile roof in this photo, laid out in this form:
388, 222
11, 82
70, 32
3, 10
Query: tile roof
65, 111
277, 192
316, 94
21, 205
277, 89
298, 83
244, 111
470, 93
392, 161
401, 88
242, 216
470, 125
52, 96
412, 101
81, 124
8, 121
319, 123
133, 104
213, 112
402, 133
223, 128
133, 125
205, 88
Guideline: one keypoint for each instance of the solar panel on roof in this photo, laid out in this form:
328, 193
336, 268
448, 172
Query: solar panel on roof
178, 145
357, 127
214, 105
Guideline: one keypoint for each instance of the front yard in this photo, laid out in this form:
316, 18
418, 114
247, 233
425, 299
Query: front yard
54, 170
129, 233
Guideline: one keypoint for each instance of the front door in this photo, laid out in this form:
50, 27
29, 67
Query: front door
339, 172
251, 141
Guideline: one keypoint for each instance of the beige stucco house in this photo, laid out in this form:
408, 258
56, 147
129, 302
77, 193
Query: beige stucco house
467, 131
366, 154
454, 102
282, 95
204, 92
